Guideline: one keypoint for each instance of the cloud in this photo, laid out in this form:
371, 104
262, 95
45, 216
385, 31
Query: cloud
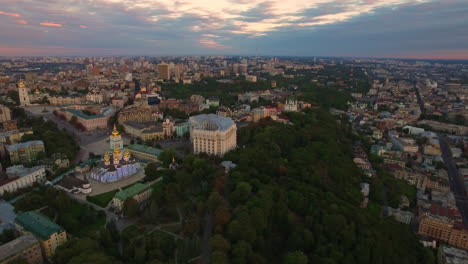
22, 22
211, 44
49, 24
9, 14
273, 27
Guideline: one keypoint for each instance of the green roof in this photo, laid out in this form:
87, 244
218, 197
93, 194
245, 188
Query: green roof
137, 188
38, 224
145, 149
86, 163
82, 115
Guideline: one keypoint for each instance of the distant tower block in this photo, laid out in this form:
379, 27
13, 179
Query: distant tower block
23, 94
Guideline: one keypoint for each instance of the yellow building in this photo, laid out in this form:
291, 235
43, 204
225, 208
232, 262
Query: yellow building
212, 134
163, 71
25, 151
5, 113
139, 192
146, 132
436, 228
431, 150
49, 233
25, 247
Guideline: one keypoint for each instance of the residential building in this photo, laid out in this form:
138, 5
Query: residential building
5, 114
212, 101
10, 125
49, 233
13, 136
181, 128
26, 151
251, 78
431, 150
212, 134
168, 127
248, 97
21, 177
25, 247
135, 114
139, 192
401, 216
163, 71
451, 255
435, 227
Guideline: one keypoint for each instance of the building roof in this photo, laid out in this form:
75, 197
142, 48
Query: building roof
454, 255
80, 114
135, 189
69, 182
21, 171
222, 123
38, 224
7, 213
145, 149
24, 144
17, 245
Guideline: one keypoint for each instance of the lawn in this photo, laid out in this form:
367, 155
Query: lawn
102, 199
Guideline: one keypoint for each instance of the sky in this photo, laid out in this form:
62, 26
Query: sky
435, 29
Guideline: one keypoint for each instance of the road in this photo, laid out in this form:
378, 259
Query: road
457, 183
420, 101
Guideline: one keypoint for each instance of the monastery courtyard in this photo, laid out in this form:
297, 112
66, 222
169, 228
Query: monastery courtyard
99, 187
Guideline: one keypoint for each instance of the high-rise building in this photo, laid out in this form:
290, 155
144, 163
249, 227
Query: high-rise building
23, 94
212, 134
163, 71
5, 113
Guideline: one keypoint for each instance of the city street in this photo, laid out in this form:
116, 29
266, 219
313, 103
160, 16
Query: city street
457, 183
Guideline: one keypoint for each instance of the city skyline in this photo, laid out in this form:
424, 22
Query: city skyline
368, 28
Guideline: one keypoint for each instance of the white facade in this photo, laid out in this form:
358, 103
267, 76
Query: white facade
21, 177
95, 96
291, 106
23, 94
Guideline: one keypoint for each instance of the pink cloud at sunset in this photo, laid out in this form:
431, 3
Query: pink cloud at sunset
82, 26
22, 22
49, 24
9, 14
211, 44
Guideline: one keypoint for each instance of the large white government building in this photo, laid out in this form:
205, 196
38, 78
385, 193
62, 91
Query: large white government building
212, 134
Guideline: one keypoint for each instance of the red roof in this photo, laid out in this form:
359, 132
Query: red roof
451, 213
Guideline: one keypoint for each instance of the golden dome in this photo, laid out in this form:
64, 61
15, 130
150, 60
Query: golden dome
106, 157
21, 84
116, 158
127, 154
117, 151
115, 132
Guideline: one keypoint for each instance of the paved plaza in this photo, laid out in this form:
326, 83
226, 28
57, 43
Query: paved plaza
99, 187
